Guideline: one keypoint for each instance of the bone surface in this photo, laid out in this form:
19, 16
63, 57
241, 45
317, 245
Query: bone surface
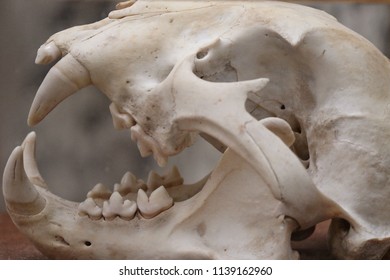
296, 103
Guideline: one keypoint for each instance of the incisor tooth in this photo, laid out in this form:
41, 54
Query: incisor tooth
47, 53
117, 207
89, 208
158, 201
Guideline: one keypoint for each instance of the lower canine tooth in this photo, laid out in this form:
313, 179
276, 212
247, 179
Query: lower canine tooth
158, 202
89, 208
117, 207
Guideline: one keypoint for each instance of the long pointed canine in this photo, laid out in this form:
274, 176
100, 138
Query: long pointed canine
20, 194
64, 79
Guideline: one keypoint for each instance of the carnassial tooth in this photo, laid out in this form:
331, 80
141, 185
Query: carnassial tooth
158, 201
90, 209
47, 53
117, 207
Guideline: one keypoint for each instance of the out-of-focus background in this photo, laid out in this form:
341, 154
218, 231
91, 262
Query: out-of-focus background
77, 145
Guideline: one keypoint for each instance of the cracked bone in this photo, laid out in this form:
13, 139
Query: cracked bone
171, 79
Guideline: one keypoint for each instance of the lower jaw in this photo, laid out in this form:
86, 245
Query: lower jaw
222, 219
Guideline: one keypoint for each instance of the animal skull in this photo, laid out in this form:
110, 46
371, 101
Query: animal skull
276, 87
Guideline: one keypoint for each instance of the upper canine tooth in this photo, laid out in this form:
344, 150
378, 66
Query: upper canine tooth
158, 202
117, 207
89, 208
47, 53
64, 79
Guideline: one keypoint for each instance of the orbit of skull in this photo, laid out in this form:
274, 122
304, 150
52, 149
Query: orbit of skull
292, 99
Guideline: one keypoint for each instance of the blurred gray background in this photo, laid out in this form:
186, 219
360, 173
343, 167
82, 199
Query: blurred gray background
77, 144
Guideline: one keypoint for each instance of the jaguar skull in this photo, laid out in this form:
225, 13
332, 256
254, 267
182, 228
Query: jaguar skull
294, 100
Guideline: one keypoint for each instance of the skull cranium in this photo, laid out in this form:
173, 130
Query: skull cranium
257, 78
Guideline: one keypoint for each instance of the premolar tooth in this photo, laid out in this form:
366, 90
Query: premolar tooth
129, 184
99, 191
120, 120
117, 207
147, 145
159, 158
99, 194
158, 201
89, 208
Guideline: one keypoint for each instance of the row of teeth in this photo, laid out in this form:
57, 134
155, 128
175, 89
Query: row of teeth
131, 195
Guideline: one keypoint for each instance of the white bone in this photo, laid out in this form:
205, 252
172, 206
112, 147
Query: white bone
242, 73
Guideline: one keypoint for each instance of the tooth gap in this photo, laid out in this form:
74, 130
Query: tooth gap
87, 243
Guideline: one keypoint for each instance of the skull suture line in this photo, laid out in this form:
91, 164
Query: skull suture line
277, 87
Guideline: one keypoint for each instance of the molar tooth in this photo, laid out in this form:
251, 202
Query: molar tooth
115, 206
158, 201
89, 208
